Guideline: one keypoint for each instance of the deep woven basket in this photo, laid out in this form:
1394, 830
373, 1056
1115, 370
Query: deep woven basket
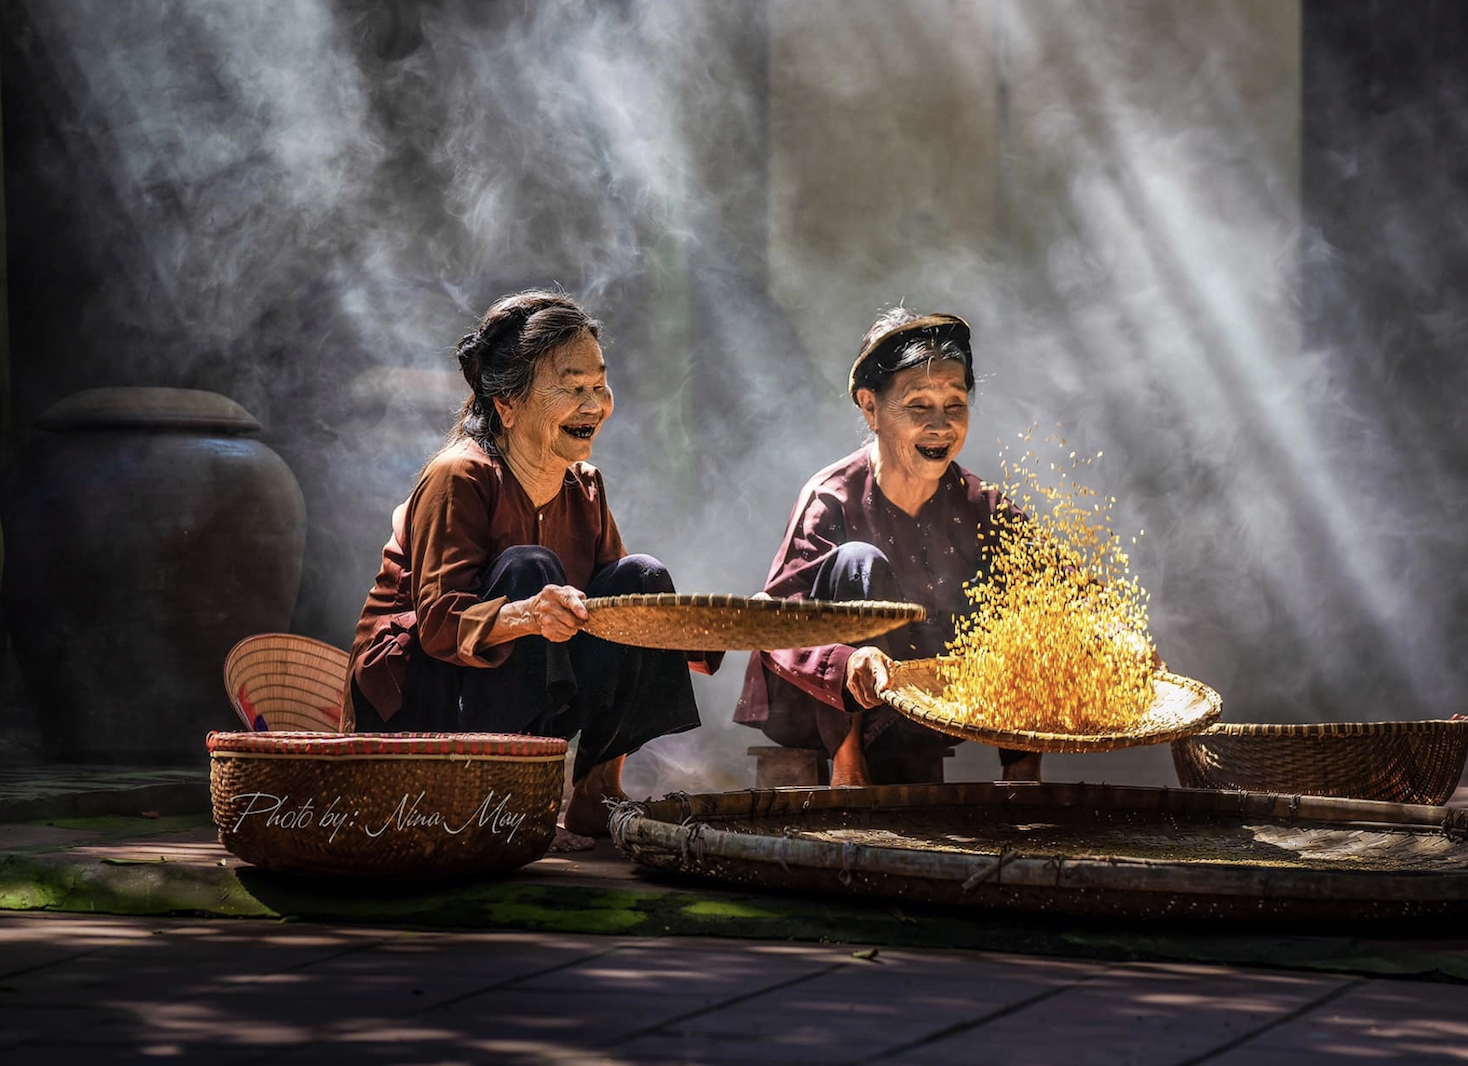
282, 682
386, 804
741, 623
1400, 762
1182, 706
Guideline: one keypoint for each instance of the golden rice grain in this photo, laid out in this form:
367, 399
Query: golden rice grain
1057, 641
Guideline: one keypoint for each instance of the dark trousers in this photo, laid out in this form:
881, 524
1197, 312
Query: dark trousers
860, 571
617, 697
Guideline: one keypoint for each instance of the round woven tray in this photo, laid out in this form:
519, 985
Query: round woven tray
1069, 848
1182, 707
1400, 762
386, 804
741, 623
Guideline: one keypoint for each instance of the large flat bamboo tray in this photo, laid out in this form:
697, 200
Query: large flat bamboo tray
1070, 848
1400, 762
741, 623
1183, 706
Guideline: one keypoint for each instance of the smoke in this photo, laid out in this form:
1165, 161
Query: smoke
303, 203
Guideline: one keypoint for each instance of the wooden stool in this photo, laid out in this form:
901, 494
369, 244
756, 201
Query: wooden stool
781, 767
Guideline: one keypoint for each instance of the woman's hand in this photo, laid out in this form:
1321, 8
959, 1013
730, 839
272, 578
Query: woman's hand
556, 612
866, 672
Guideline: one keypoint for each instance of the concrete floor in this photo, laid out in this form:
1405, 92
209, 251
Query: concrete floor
102, 989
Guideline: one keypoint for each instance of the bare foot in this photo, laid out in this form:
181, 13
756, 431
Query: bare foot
1027, 769
588, 815
849, 776
588, 810
568, 841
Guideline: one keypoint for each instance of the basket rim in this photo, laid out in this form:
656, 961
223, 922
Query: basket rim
1034, 740
767, 604
1329, 729
384, 745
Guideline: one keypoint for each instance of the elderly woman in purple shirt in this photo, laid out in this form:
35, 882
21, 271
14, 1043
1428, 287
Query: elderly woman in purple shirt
898, 519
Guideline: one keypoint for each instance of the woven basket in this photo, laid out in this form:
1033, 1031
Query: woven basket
282, 682
1182, 706
1186, 854
1399, 762
741, 623
386, 804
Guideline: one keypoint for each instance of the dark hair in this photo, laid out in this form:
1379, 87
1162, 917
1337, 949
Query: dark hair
877, 373
498, 356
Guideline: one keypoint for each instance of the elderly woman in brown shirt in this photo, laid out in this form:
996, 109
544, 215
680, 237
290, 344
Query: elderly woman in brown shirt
898, 519
474, 623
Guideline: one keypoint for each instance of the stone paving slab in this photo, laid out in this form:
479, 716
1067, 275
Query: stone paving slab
853, 1009
1145, 1015
58, 790
1371, 1021
35, 836
262, 992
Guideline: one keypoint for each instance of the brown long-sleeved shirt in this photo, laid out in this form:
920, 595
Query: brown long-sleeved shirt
465, 511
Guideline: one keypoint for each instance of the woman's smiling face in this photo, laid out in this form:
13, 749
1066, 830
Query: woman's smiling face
557, 420
921, 418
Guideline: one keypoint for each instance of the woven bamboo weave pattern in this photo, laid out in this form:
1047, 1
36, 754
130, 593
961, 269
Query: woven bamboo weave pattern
1182, 706
1070, 848
1102, 835
279, 681
1400, 762
386, 805
741, 623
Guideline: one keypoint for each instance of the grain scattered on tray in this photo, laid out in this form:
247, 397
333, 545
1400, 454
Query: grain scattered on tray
1058, 640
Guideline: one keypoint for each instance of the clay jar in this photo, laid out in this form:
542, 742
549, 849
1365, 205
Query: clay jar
147, 533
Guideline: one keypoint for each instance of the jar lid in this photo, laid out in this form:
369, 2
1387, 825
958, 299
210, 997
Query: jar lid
146, 406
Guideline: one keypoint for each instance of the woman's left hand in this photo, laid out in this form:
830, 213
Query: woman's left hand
556, 612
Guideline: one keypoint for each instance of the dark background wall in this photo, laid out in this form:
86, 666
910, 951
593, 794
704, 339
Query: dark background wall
1222, 241
1385, 253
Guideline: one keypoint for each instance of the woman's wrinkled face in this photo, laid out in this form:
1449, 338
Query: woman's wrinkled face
556, 421
921, 418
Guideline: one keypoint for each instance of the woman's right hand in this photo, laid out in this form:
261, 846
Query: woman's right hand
556, 612
866, 674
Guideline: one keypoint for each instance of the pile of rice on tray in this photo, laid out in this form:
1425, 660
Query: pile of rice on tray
1056, 654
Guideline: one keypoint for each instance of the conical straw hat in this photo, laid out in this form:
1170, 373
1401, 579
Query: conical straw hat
281, 682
